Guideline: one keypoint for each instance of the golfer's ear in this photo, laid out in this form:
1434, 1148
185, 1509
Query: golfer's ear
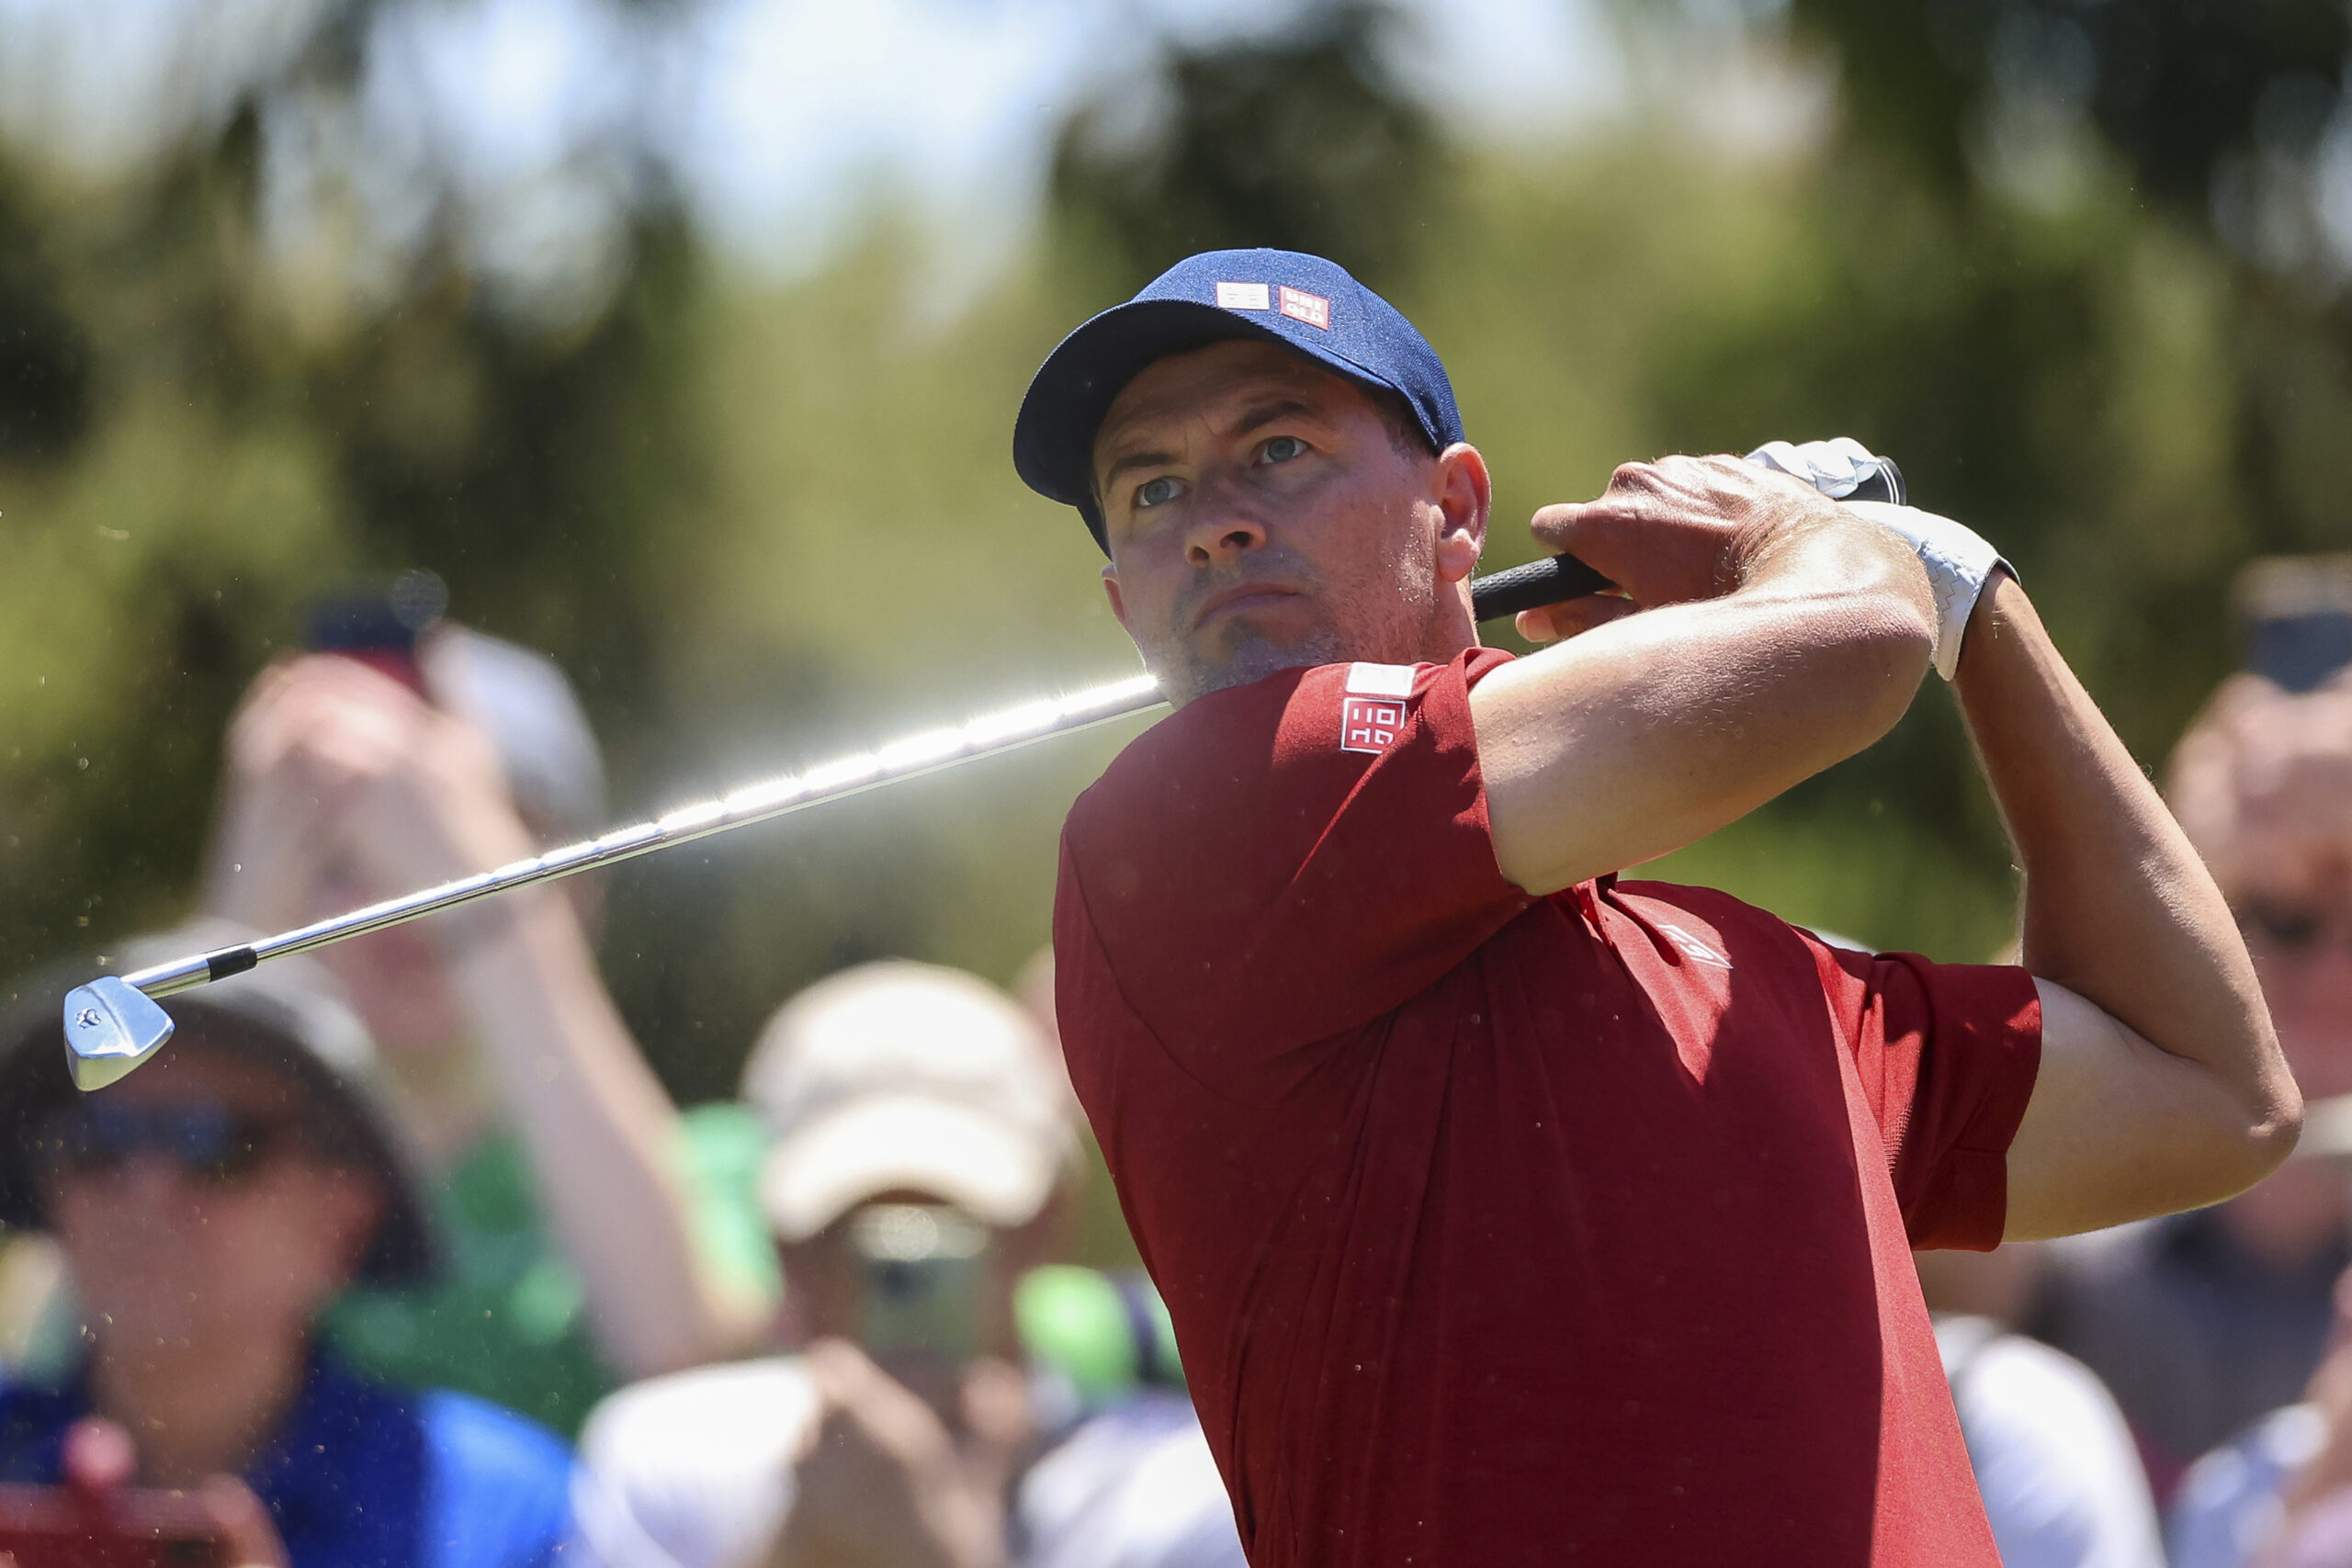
1111, 587
1464, 494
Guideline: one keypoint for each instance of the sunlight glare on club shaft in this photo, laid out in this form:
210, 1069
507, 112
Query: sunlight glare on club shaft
1007, 726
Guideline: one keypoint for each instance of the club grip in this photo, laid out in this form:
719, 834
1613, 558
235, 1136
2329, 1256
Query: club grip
1556, 578
1533, 586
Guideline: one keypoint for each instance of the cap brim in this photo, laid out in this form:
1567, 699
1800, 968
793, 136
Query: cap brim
1053, 438
904, 1143
404, 1250
33, 1079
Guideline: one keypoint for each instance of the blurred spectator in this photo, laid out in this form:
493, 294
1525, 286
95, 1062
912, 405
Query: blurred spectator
208, 1208
589, 1231
2280, 1492
2202, 1322
923, 1156
31, 1274
2062, 1481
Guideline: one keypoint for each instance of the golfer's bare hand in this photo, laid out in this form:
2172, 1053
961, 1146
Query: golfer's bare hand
344, 785
1679, 529
886, 1482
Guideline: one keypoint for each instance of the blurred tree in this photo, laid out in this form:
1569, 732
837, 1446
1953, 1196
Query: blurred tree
1305, 140
183, 462
44, 362
2178, 86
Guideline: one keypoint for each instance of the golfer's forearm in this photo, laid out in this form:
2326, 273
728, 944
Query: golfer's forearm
1643, 735
602, 1139
2118, 907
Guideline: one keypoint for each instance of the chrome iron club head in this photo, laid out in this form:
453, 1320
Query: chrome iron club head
111, 1026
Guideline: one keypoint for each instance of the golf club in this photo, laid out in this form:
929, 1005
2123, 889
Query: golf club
112, 1023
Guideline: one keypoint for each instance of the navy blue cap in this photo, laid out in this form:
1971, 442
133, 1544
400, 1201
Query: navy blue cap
1300, 301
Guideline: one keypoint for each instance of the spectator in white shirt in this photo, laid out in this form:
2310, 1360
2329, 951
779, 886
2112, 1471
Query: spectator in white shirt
923, 1144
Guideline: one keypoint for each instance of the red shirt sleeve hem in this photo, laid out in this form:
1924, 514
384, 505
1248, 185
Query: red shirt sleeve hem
1965, 1204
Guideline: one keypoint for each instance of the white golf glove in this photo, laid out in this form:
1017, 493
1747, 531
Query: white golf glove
1958, 559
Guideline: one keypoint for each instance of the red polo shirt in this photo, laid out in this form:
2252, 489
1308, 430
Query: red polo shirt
1501, 1230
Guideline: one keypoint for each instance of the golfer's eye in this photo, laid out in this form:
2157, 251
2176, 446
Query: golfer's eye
1282, 449
1154, 492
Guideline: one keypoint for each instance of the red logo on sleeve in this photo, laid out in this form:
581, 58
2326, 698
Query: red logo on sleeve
1370, 724
1372, 714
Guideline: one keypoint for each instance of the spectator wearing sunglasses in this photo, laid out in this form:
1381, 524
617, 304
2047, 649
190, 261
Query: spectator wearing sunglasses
208, 1209
2204, 1321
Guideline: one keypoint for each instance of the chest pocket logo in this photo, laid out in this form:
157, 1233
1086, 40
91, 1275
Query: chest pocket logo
1690, 947
1371, 713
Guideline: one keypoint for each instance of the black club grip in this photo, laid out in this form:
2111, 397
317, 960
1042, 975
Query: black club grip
1533, 586
1556, 578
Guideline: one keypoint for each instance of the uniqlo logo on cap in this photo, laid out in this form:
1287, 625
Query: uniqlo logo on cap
1247, 297
1372, 714
1301, 305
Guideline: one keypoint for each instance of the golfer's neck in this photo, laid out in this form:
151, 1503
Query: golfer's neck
1451, 630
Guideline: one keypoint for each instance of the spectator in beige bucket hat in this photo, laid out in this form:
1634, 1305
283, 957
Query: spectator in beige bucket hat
925, 1150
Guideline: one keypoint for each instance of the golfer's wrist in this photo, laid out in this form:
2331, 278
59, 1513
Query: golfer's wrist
1961, 566
1992, 626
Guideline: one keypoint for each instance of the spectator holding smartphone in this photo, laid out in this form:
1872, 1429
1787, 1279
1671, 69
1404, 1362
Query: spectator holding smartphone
924, 1152
208, 1209
2204, 1321
591, 1237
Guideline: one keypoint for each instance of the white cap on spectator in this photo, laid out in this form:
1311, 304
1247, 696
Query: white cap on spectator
903, 1076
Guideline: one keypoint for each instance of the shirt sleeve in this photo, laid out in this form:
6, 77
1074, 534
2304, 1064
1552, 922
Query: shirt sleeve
1279, 863
1947, 1056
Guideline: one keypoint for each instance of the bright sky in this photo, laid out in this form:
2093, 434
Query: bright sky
780, 121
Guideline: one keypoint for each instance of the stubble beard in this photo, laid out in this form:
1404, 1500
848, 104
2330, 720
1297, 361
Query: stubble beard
1383, 617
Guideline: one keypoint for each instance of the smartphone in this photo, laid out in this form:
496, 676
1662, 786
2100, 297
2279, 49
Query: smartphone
66, 1527
379, 627
923, 1266
2295, 619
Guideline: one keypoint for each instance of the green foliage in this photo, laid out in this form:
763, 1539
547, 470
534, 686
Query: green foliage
1303, 142
2178, 86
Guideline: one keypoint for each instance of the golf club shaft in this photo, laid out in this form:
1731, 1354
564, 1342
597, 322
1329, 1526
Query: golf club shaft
1506, 592
928, 752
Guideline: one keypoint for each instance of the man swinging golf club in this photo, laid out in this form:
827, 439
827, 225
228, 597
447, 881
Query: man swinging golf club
1510, 1213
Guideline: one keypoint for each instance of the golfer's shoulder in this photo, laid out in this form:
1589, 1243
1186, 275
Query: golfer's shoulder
1211, 750
1722, 932
1281, 747
1693, 900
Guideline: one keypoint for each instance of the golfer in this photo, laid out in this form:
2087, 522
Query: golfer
1508, 1212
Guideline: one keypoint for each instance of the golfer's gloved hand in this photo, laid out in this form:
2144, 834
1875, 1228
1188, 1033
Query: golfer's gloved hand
1959, 561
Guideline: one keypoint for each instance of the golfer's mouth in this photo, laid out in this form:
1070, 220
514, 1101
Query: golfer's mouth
1241, 599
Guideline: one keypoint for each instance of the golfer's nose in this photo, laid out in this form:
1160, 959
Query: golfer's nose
1221, 529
